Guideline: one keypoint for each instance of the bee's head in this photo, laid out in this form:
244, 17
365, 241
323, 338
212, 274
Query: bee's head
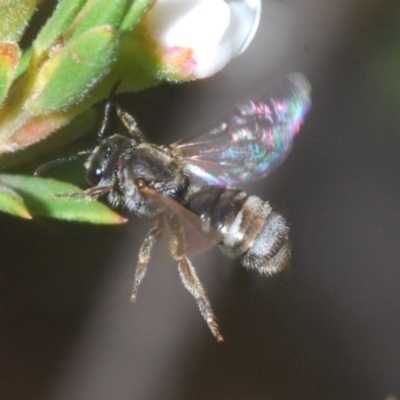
103, 162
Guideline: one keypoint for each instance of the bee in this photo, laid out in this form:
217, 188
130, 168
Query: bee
187, 187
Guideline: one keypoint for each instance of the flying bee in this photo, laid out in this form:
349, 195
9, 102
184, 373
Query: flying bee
159, 182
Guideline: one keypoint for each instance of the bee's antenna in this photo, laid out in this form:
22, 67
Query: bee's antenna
59, 161
107, 108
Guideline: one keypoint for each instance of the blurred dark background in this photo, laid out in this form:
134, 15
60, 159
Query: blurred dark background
327, 328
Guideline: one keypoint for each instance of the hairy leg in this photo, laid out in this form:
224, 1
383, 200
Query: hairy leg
89, 194
144, 256
190, 279
129, 123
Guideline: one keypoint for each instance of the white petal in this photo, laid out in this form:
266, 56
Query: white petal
199, 37
245, 18
195, 23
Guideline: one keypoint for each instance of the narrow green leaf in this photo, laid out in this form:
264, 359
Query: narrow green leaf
14, 17
23, 63
63, 15
38, 194
12, 203
97, 13
9, 58
134, 14
66, 78
137, 64
76, 128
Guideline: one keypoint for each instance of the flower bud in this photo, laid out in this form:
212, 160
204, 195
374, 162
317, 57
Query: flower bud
197, 38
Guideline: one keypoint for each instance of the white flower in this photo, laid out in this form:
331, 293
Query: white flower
197, 38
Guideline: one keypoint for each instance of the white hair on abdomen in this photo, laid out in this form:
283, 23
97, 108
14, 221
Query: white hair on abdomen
240, 227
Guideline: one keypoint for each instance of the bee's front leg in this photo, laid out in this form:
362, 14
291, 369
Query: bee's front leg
89, 194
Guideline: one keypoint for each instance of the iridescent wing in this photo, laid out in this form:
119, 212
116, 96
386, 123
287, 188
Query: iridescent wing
250, 142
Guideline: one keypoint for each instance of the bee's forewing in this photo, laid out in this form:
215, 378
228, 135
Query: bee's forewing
251, 141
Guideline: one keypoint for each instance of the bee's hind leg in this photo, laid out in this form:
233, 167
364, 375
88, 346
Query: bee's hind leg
144, 256
191, 281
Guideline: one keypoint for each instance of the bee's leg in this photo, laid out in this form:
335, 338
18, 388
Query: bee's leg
89, 194
127, 119
191, 281
144, 256
129, 123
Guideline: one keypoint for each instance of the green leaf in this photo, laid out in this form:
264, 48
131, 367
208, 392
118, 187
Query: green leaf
14, 17
97, 13
9, 58
67, 77
137, 64
12, 203
77, 127
134, 14
38, 194
23, 63
63, 15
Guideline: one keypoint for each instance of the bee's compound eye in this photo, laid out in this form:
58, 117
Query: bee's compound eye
94, 175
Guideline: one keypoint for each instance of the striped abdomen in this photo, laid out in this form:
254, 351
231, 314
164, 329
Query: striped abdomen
251, 230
